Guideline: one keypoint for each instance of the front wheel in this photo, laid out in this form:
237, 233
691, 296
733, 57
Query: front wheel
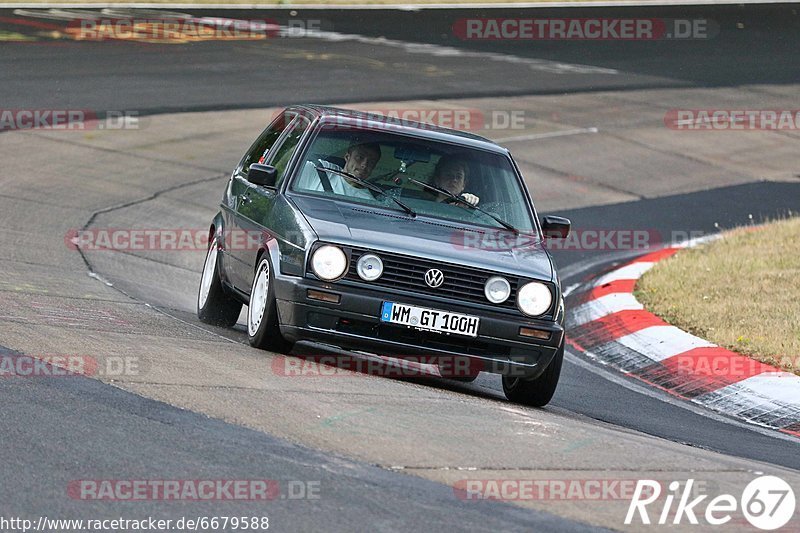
214, 306
535, 392
262, 313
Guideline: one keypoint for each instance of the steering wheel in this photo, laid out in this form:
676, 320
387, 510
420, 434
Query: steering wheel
404, 165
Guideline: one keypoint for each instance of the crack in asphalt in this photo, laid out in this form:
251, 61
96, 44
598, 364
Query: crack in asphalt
150, 197
93, 274
687, 157
131, 203
48, 294
117, 152
38, 202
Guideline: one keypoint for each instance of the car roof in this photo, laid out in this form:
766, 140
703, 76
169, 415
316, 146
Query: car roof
378, 122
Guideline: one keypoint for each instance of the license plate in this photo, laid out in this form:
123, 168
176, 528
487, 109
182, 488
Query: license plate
429, 319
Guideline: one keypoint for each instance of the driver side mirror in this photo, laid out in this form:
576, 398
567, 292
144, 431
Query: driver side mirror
555, 227
264, 175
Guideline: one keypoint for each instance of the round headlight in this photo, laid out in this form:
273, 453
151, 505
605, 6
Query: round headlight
497, 289
534, 298
329, 262
369, 267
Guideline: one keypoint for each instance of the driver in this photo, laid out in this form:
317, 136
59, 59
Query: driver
451, 174
359, 160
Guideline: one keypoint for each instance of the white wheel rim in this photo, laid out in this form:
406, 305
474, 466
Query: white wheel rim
258, 298
209, 271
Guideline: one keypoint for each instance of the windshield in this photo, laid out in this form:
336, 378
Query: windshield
428, 178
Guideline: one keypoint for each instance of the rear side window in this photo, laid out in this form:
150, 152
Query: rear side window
259, 152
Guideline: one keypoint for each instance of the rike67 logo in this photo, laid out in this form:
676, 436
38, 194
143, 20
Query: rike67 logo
767, 502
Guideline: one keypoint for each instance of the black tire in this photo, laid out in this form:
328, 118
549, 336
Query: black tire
535, 392
214, 305
263, 331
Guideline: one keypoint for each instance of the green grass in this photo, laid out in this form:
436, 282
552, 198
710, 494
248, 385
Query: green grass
741, 292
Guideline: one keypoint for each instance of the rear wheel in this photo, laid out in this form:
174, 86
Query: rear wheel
535, 392
214, 306
262, 313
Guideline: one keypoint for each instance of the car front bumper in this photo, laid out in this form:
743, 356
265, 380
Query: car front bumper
353, 324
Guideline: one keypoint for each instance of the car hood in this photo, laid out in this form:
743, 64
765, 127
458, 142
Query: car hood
449, 242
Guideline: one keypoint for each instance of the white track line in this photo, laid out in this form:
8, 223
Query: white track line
545, 65
548, 135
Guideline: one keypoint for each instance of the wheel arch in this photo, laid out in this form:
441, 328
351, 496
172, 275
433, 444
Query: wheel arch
217, 228
270, 246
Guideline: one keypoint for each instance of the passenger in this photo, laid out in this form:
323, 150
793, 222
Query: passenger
451, 174
359, 161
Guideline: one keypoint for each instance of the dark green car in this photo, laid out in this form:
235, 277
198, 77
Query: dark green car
365, 235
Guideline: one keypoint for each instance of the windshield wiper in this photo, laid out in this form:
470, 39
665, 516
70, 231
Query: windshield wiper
369, 186
462, 201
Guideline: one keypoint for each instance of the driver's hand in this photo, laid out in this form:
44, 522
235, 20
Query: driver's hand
471, 198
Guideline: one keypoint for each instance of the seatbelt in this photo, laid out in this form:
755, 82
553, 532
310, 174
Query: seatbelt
323, 178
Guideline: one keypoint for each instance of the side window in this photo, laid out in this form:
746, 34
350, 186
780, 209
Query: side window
259, 152
283, 154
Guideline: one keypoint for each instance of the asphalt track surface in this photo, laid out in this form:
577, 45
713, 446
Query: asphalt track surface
57, 426
150, 436
754, 44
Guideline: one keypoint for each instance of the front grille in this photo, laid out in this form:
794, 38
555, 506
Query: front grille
408, 273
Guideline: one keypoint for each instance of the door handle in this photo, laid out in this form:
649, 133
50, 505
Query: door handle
244, 199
